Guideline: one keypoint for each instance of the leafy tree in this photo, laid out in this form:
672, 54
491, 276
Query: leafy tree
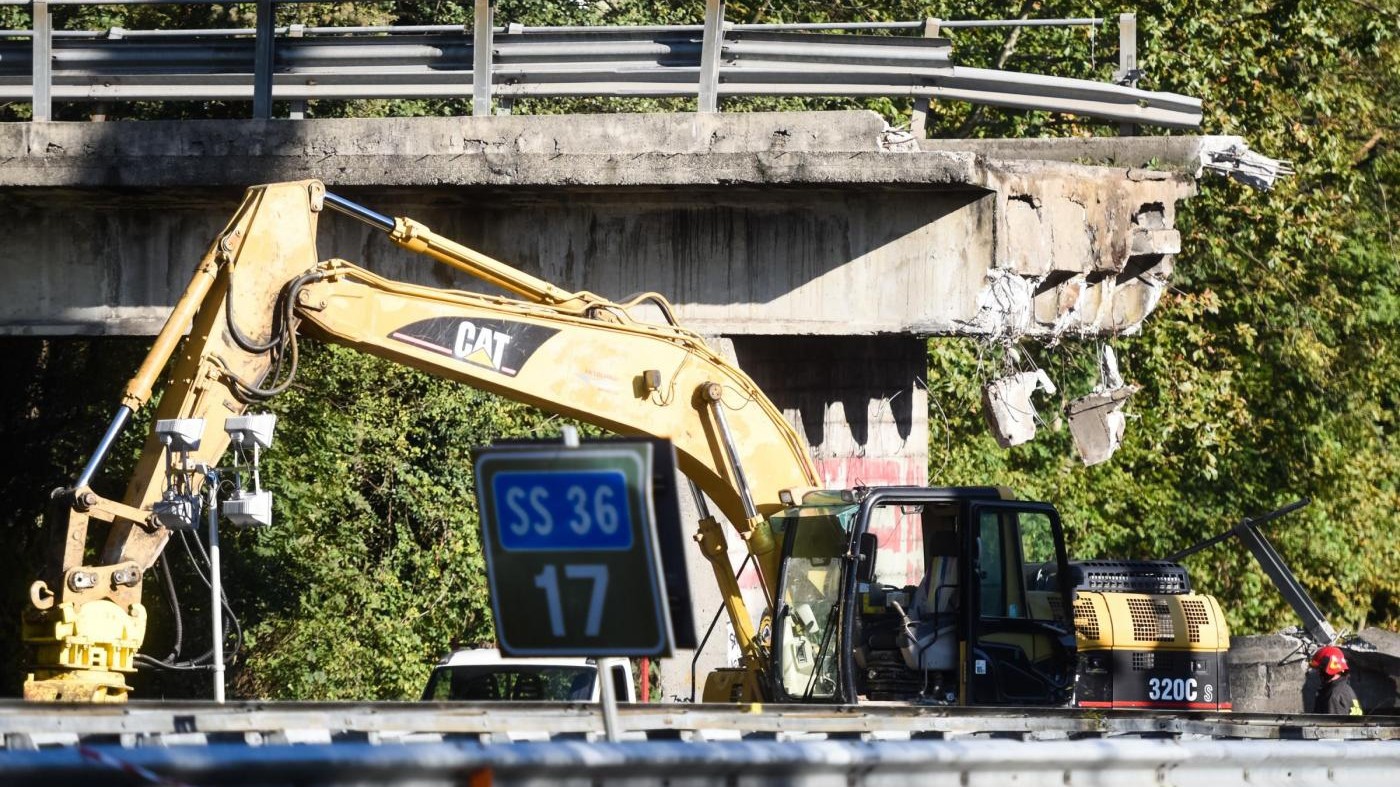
1269, 371
374, 567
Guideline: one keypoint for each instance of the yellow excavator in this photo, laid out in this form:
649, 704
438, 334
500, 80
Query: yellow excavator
1001, 616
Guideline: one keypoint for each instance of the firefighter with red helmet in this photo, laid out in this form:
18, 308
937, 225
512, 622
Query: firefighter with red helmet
1335, 694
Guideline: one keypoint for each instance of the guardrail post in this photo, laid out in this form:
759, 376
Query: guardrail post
506, 104
1128, 73
483, 22
298, 108
711, 48
262, 60
918, 119
41, 52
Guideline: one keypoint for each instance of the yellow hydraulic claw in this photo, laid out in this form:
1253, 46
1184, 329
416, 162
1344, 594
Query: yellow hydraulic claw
89, 647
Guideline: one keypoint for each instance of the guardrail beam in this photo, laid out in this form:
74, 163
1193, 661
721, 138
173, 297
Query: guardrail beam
729, 60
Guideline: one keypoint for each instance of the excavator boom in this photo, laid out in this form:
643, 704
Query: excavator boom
262, 282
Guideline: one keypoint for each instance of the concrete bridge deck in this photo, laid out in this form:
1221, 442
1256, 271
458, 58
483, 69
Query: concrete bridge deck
781, 223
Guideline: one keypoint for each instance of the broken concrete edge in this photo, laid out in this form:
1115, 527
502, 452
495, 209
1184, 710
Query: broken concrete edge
1269, 672
557, 150
1079, 250
1184, 155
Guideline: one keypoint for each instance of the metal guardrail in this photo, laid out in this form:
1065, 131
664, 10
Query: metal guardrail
1127, 763
708, 62
172, 723
256, 743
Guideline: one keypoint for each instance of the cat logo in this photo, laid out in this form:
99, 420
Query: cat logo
481, 346
499, 345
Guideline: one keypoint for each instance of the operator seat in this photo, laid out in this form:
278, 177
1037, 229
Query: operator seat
934, 644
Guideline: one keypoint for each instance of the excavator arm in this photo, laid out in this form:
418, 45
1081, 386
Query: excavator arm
261, 284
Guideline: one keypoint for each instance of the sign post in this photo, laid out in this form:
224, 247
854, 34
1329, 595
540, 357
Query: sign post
572, 557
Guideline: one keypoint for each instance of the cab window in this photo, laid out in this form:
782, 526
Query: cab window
810, 595
991, 565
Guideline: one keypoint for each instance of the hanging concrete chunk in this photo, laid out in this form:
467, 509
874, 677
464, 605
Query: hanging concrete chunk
1096, 421
1006, 404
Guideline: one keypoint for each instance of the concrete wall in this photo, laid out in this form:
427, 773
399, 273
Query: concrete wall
806, 223
1269, 673
735, 261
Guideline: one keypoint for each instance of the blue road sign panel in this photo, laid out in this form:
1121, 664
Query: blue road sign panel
563, 510
571, 550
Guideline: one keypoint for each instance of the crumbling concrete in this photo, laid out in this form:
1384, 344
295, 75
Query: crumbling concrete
1269, 673
755, 223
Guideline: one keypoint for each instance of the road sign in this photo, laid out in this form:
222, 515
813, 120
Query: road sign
571, 550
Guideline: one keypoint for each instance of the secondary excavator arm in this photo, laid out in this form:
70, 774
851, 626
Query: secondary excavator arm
261, 282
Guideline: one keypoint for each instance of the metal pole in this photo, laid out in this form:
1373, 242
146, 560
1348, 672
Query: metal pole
1259, 521
607, 692
1314, 622
918, 119
216, 590
103, 446
1128, 73
41, 54
298, 108
607, 696
1127, 50
356, 211
262, 60
711, 48
483, 20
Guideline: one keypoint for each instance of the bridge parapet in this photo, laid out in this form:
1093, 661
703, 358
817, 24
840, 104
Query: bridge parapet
763, 223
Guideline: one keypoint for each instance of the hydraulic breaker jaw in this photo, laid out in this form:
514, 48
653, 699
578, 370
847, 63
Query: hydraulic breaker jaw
82, 651
84, 623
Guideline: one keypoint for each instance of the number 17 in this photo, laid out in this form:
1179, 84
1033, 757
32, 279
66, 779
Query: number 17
548, 581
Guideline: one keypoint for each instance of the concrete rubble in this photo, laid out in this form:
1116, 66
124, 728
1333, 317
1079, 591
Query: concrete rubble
1096, 420
1006, 404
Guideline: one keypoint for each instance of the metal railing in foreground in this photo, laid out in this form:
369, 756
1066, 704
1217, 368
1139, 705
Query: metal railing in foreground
175, 722
1103, 761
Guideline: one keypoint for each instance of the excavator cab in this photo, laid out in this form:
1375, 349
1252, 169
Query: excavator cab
932, 595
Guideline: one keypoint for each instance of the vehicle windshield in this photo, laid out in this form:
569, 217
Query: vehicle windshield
511, 682
810, 598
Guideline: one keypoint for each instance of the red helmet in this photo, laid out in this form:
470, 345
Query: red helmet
1331, 660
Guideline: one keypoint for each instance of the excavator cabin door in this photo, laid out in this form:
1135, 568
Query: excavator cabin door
1020, 648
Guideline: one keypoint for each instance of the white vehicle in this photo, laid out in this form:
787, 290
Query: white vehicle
485, 675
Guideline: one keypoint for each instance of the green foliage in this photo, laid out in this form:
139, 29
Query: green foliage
1270, 370
58, 398
374, 568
